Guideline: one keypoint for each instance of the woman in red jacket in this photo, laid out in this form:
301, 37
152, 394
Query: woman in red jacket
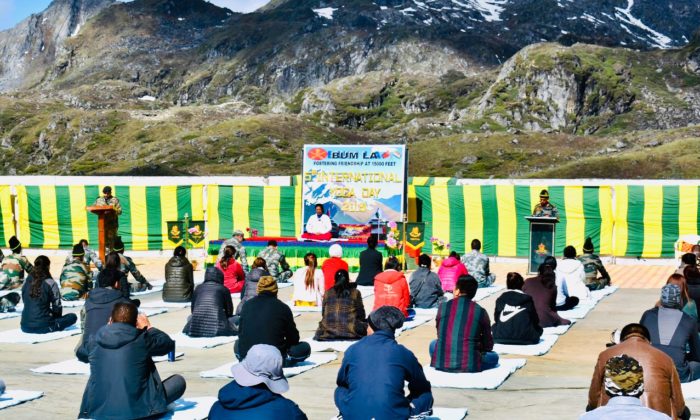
450, 270
332, 265
234, 277
391, 287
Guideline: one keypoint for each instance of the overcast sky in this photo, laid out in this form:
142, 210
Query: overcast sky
13, 11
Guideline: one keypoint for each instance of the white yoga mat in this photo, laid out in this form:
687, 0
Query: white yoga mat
19, 337
315, 360
161, 304
442, 413
691, 390
16, 396
366, 291
423, 311
76, 367
484, 292
417, 321
488, 379
8, 315
578, 312
303, 308
73, 303
319, 346
182, 340
190, 408
600, 294
155, 289
545, 344
561, 329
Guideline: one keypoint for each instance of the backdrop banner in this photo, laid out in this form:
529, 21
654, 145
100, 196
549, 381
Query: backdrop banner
359, 186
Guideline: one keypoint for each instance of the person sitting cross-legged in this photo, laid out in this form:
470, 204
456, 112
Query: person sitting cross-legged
179, 277
332, 264
276, 262
370, 263
126, 265
98, 307
571, 279
212, 308
43, 312
477, 265
426, 289
464, 341
516, 320
343, 316
267, 320
675, 333
124, 382
662, 391
256, 390
75, 276
543, 290
308, 283
12, 269
592, 265
234, 276
372, 377
450, 270
391, 287
250, 287
624, 382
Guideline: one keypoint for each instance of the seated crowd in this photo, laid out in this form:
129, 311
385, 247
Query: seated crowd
640, 375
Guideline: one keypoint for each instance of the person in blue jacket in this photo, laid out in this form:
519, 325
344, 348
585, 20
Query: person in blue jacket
256, 390
372, 375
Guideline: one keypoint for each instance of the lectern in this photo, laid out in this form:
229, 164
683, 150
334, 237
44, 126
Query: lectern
542, 241
102, 212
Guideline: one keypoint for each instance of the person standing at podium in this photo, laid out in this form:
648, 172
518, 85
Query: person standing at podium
111, 219
545, 208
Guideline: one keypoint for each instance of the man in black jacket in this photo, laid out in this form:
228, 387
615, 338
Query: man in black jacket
370, 263
212, 308
124, 381
267, 320
516, 317
97, 310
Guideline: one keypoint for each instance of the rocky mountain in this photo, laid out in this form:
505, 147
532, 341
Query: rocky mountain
183, 86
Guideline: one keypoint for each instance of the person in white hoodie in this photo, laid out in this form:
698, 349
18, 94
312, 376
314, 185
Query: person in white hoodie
571, 281
308, 283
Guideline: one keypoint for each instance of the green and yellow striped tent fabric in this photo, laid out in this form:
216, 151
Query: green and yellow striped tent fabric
55, 217
273, 211
495, 214
650, 218
7, 226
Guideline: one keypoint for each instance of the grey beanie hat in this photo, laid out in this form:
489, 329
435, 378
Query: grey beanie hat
388, 318
671, 296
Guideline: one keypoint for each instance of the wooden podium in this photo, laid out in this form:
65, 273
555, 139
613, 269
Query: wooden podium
102, 213
542, 241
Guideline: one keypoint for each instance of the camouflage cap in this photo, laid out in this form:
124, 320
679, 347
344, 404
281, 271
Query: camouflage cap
624, 376
237, 232
544, 194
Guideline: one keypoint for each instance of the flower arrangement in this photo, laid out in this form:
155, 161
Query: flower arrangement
253, 232
440, 247
392, 244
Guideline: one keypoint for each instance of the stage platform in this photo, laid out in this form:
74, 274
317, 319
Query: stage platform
294, 250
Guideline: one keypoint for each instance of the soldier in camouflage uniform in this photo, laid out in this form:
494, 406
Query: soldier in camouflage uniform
236, 242
592, 265
545, 208
112, 219
12, 274
90, 257
76, 281
127, 266
478, 265
276, 263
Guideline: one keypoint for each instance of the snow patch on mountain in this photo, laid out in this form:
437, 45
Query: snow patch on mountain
325, 12
625, 15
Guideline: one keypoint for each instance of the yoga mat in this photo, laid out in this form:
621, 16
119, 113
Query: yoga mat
196, 408
19, 337
182, 340
155, 289
315, 360
8, 315
160, 304
366, 291
320, 346
578, 312
16, 396
545, 344
303, 308
600, 294
561, 329
691, 390
484, 292
76, 367
488, 379
441, 413
416, 322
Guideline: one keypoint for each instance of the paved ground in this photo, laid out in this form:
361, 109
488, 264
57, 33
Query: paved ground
550, 386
